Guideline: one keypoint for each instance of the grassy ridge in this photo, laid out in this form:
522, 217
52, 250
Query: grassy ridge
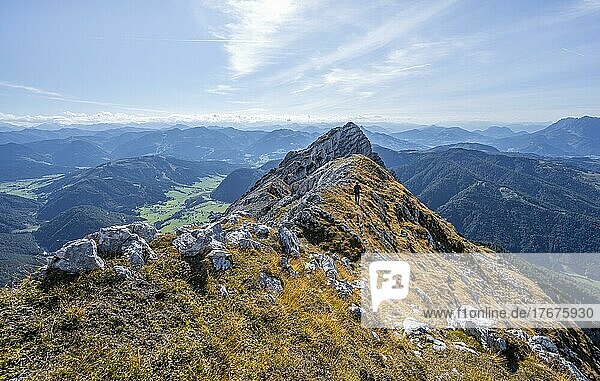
163, 326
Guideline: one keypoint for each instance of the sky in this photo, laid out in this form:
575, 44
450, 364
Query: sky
427, 61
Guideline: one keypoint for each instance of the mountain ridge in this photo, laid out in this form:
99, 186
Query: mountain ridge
270, 290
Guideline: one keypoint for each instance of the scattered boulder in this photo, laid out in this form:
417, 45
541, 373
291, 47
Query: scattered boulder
137, 251
221, 260
123, 272
242, 238
270, 283
325, 263
546, 350
459, 345
223, 291
343, 288
288, 241
438, 345
414, 327
542, 344
187, 244
146, 231
200, 242
125, 240
110, 240
76, 256
261, 231
480, 329
346, 262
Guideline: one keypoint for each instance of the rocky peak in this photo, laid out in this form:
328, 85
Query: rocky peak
338, 142
297, 170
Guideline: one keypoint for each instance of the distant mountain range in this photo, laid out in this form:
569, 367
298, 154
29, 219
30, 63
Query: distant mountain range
80, 146
521, 203
83, 201
123, 185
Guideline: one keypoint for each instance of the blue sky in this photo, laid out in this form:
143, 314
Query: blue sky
429, 61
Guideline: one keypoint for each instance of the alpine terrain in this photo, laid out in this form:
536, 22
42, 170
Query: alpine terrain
271, 290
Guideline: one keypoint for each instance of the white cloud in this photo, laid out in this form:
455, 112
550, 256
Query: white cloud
52, 95
221, 90
30, 89
260, 22
245, 117
374, 39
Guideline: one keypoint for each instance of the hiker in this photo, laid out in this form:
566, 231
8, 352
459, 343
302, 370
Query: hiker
357, 193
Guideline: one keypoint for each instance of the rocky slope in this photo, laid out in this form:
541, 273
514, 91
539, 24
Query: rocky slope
271, 289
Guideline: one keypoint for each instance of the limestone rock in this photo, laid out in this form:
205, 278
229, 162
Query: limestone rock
137, 251
146, 231
270, 283
288, 241
123, 272
413, 327
200, 241
356, 311
242, 238
221, 260
76, 256
480, 329
261, 231
110, 240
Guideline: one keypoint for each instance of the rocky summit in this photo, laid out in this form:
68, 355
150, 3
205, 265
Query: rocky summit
271, 290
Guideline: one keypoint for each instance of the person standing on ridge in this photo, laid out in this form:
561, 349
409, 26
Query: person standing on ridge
357, 193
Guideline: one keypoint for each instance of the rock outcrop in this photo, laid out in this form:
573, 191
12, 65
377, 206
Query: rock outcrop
75, 257
87, 254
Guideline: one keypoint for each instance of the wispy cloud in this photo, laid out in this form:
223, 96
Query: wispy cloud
374, 39
56, 96
258, 21
221, 90
572, 52
30, 89
186, 40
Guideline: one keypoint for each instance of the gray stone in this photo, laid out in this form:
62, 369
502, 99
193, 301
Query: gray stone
137, 251
223, 291
221, 260
146, 231
261, 231
343, 288
376, 336
413, 327
542, 344
479, 328
459, 345
325, 263
76, 256
439, 345
123, 272
288, 241
242, 238
198, 242
270, 283
110, 240
346, 262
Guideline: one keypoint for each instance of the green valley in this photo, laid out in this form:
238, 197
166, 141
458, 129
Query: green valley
186, 204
